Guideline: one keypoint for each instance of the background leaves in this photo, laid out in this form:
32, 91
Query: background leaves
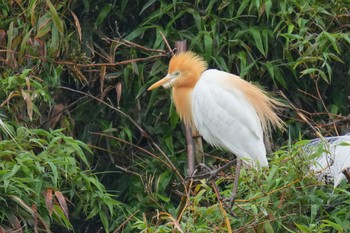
87, 137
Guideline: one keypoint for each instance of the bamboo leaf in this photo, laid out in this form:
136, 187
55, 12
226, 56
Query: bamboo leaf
102, 15
49, 200
147, 5
56, 19
257, 39
63, 204
242, 7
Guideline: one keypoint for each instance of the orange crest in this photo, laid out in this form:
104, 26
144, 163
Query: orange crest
187, 62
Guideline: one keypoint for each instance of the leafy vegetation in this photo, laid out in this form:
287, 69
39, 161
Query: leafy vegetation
85, 147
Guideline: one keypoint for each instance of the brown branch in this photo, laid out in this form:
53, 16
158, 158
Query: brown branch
324, 105
68, 63
181, 46
221, 207
126, 221
168, 163
12, 94
167, 44
346, 173
142, 131
302, 116
344, 119
132, 44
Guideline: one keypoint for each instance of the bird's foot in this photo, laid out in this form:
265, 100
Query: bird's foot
210, 174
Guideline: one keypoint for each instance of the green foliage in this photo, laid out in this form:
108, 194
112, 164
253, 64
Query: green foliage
284, 198
83, 67
41, 175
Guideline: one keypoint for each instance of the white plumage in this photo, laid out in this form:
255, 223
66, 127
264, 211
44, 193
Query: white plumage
227, 111
226, 119
336, 157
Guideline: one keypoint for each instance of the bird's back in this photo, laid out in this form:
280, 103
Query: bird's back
226, 118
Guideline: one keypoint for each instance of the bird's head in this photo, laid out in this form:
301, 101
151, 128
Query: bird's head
184, 71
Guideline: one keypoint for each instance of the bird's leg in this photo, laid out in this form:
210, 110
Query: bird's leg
235, 182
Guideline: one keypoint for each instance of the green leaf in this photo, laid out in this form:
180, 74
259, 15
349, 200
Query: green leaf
136, 33
54, 172
57, 21
303, 228
169, 143
268, 228
163, 181
257, 39
102, 15
104, 220
328, 223
333, 41
147, 5
242, 7
163, 198
208, 44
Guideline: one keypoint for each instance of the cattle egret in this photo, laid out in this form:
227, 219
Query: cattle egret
227, 111
334, 158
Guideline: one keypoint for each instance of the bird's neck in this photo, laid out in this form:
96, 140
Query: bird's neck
183, 103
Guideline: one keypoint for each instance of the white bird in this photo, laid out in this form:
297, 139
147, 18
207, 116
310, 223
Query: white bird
229, 112
334, 159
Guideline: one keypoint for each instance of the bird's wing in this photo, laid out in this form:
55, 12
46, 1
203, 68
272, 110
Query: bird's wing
341, 149
225, 118
334, 160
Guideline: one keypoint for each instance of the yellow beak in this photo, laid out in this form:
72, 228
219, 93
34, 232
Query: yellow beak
161, 82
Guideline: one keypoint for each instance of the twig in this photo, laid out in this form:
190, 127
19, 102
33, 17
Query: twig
9, 97
344, 119
142, 131
132, 44
112, 107
317, 132
222, 209
131, 144
167, 44
346, 173
324, 105
68, 63
212, 173
127, 171
185, 200
126, 220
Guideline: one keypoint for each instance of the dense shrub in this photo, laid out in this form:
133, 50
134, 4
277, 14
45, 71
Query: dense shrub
75, 73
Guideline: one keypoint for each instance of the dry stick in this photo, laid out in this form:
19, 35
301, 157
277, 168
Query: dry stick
346, 173
181, 46
344, 119
143, 132
222, 209
317, 132
125, 222
68, 63
324, 105
133, 45
167, 44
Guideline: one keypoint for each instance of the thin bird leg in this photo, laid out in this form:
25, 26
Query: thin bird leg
235, 182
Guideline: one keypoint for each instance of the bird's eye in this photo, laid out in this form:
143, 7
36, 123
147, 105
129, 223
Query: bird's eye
176, 73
